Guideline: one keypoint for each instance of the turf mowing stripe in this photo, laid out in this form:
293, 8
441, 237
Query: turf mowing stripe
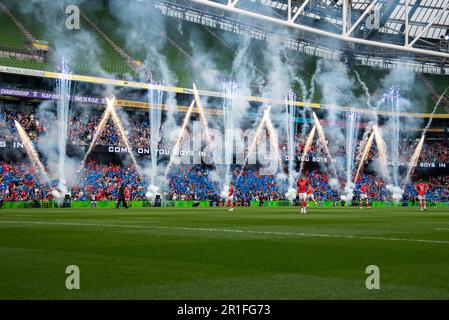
224, 230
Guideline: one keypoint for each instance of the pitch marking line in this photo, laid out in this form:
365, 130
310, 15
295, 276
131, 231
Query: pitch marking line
223, 230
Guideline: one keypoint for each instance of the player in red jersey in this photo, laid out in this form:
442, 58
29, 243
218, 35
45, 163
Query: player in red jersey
363, 196
231, 197
422, 188
127, 196
310, 195
302, 191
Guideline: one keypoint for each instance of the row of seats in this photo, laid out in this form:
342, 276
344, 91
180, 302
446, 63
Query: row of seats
11, 38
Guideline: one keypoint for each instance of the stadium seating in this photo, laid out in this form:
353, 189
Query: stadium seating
29, 64
11, 38
110, 61
99, 181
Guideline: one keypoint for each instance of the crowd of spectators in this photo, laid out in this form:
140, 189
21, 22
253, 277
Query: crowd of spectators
27, 120
100, 181
82, 127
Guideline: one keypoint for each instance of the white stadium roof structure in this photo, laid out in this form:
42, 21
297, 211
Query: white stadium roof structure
379, 33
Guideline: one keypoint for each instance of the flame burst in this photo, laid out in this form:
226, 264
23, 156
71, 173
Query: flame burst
202, 114
31, 151
365, 152
262, 122
265, 121
98, 131
382, 150
414, 158
273, 137
307, 146
111, 112
181, 134
322, 137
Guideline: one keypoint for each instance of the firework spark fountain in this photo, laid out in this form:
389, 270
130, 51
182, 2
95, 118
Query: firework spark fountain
352, 130
228, 126
63, 87
154, 100
392, 99
290, 121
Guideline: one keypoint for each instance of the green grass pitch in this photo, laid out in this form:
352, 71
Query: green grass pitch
200, 253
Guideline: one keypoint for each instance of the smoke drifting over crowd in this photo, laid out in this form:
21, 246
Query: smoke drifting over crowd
146, 37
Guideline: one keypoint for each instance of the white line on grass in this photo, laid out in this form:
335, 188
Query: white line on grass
443, 229
223, 230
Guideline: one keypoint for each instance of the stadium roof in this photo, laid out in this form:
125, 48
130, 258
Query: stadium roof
421, 13
375, 28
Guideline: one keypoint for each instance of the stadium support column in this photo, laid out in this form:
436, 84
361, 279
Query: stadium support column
346, 18
406, 22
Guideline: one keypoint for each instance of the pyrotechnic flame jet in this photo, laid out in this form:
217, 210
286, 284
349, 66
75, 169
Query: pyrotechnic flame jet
322, 137
415, 157
118, 124
111, 112
180, 136
307, 146
273, 136
204, 123
382, 150
365, 152
103, 121
31, 150
202, 114
63, 89
267, 122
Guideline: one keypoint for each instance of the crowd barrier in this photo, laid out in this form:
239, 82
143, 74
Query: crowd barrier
201, 204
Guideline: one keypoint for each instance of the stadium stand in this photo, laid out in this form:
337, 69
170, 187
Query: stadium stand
179, 53
11, 38
99, 181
